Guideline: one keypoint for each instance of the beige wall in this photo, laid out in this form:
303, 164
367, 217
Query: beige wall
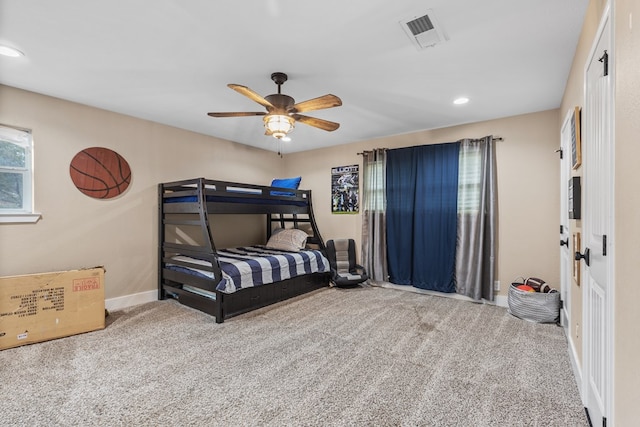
627, 207
121, 234
528, 190
77, 231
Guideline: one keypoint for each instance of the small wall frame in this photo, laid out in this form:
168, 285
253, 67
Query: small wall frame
576, 145
575, 198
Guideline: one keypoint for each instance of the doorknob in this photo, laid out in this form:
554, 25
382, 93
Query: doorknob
564, 242
585, 256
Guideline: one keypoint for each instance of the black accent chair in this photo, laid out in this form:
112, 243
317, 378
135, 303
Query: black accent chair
342, 260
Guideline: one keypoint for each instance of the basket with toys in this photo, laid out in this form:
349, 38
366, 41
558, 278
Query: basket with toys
534, 300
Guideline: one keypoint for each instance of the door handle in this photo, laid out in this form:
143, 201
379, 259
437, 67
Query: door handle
586, 256
564, 242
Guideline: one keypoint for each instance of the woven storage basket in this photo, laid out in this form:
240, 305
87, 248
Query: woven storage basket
534, 306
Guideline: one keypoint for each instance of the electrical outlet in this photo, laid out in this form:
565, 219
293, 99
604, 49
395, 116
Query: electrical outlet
496, 285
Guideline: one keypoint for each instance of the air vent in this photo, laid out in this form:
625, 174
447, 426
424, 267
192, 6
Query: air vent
420, 25
424, 30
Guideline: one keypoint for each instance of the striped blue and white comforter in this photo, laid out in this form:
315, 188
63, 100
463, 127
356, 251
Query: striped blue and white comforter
249, 266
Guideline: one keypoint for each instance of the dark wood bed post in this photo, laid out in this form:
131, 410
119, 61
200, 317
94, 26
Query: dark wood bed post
206, 230
219, 313
314, 226
161, 238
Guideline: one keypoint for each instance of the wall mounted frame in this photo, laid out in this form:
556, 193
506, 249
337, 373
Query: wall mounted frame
576, 145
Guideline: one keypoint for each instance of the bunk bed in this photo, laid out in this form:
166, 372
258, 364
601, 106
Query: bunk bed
197, 274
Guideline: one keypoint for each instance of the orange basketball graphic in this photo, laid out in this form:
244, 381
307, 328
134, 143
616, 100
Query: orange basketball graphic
100, 173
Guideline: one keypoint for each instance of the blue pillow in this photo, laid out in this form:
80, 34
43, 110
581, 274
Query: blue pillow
285, 183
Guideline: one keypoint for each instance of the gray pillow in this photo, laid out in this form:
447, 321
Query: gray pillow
290, 239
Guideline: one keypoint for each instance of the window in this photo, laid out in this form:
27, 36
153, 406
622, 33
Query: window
16, 175
374, 186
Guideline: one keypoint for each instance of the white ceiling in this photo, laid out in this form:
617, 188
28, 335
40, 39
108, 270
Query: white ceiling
169, 61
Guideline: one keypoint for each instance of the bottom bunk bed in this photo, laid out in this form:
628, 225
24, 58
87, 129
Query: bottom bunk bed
252, 277
229, 282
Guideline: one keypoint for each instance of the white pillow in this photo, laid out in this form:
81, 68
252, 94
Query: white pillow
290, 239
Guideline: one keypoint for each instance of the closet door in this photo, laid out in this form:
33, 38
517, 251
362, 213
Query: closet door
598, 227
566, 256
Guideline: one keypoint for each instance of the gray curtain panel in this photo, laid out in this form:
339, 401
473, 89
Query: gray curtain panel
374, 241
476, 245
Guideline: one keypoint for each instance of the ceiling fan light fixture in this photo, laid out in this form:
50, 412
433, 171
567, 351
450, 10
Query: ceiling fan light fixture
278, 125
282, 110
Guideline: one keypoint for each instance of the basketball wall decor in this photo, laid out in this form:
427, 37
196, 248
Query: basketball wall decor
100, 173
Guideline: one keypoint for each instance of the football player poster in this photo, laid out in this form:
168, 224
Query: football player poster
344, 190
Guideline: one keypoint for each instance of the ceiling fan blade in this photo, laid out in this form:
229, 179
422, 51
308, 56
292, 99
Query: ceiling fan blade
315, 122
326, 101
251, 95
237, 114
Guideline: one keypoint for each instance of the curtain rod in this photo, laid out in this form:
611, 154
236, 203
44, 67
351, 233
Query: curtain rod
497, 138
370, 151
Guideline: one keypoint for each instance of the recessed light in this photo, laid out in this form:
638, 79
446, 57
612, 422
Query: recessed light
461, 100
10, 51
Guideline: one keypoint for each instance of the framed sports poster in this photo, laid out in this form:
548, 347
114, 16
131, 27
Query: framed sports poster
345, 190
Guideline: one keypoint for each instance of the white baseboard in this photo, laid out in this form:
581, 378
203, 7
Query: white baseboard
502, 301
575, 366
119, 303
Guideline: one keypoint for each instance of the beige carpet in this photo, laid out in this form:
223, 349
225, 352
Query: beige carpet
369, 356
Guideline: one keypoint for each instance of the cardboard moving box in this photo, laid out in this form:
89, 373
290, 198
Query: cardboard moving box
41, 307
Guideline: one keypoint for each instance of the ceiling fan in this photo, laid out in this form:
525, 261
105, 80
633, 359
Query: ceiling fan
282, 110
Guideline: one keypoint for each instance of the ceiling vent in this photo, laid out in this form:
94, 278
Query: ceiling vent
424, 30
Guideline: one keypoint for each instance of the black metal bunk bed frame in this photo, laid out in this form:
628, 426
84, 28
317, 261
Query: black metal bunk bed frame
202, 197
